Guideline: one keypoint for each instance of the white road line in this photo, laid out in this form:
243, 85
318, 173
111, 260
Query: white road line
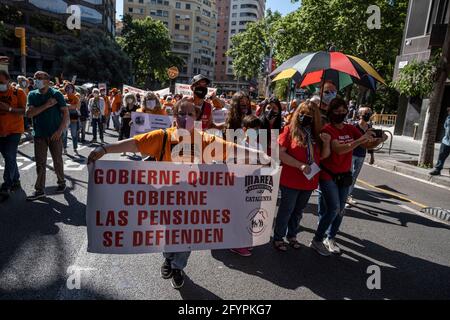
423, 215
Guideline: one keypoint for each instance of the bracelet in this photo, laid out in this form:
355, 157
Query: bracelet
104, 149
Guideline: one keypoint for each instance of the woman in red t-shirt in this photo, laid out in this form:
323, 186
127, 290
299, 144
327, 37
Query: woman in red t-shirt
335, 177
301, 148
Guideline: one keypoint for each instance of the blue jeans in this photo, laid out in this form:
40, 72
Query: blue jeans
444, 152
73, 127
357, 164
178, 260
8, 149
292, 204
116, 122
331, 209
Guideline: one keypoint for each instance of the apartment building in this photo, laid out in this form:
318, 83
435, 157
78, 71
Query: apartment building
192, 25
233, 16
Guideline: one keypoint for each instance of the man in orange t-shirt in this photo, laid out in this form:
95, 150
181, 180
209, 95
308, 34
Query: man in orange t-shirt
12, 110
107, 113
116, 104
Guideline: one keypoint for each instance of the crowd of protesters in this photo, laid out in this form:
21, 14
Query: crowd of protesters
322, 133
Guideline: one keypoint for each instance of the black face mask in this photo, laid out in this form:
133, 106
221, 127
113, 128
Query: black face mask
305, 120
366, 117
201, 92
338, 118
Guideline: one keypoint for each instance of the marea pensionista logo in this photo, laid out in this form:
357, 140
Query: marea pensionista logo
255, 186
257, 221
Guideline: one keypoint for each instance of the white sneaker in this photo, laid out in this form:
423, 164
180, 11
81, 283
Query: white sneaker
320, 248
332, 246
351, 201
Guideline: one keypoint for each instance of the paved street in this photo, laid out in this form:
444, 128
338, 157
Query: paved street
39, 241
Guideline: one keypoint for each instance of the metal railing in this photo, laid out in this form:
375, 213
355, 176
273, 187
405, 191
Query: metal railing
387, 120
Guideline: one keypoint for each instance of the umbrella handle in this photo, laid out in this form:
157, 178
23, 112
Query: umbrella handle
322, 82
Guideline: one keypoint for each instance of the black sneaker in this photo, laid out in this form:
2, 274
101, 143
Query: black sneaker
36, 195
177, 278
166, 270
61, 188
435, 172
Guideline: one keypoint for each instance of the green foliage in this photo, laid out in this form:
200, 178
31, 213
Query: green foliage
416, 78
282, 88
147, 42
95, 57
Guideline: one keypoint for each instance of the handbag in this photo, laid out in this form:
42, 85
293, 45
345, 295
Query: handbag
344, 179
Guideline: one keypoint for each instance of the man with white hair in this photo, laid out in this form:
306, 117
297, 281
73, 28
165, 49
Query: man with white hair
97, 109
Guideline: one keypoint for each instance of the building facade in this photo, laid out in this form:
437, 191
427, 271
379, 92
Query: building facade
192, 25
424, 33
234, 15
45, 22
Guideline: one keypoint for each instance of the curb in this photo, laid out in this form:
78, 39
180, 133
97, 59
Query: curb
418, 173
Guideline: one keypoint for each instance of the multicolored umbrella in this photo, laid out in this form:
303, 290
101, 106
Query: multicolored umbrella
342, 69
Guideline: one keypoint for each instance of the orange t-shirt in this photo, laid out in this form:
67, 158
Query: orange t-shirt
73, 99
107, 106
158, 112
213, 148
12, 122
116, 103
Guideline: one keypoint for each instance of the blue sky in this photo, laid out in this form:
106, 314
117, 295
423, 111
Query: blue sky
283, 6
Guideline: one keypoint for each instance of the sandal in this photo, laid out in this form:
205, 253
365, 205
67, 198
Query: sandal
295, 244
280, 246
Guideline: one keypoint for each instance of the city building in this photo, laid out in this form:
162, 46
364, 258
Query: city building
192, 25
233, 16
45, 23
424, 33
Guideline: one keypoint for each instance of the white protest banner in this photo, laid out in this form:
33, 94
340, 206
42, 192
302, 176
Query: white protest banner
146, 207
134, 90
162, 92
102, 86
185, 89
144, 122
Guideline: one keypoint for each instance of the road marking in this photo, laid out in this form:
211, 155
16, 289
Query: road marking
420, 205
423, 215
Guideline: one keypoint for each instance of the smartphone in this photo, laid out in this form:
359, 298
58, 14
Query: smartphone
378, 133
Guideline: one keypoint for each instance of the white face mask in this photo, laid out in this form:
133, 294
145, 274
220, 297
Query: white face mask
23, 84
129, 101
39, 84
3, 87
151, 104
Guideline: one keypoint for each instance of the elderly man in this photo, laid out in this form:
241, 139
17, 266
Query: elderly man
48, 109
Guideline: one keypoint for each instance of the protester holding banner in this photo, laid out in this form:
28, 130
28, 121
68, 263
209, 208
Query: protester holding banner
151, 105
164, 145
336, 176
130, 105
302, 147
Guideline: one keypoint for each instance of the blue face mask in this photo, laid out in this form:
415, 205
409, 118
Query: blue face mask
328, 96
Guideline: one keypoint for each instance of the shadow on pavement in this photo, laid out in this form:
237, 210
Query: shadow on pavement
192, 291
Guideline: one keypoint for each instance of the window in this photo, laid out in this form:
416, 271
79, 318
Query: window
178, 5
188, 6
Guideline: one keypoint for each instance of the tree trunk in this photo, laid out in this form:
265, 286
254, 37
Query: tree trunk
431, 121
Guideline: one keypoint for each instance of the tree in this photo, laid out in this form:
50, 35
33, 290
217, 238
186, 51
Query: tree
148, 44
249, 48
431, 121
94, 57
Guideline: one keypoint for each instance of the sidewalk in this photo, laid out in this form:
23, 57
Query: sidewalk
403, 159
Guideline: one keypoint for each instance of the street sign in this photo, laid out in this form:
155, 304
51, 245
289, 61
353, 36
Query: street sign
173, 72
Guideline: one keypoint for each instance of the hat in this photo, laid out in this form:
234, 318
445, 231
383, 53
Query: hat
200, 77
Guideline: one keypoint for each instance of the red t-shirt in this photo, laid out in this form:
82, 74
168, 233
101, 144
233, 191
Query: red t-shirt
292, 177
206, 115
339, 163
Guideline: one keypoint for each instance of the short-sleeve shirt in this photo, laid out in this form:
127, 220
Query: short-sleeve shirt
292, 177
48, 122
360, 151
151, 144
339, 163
11, 123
